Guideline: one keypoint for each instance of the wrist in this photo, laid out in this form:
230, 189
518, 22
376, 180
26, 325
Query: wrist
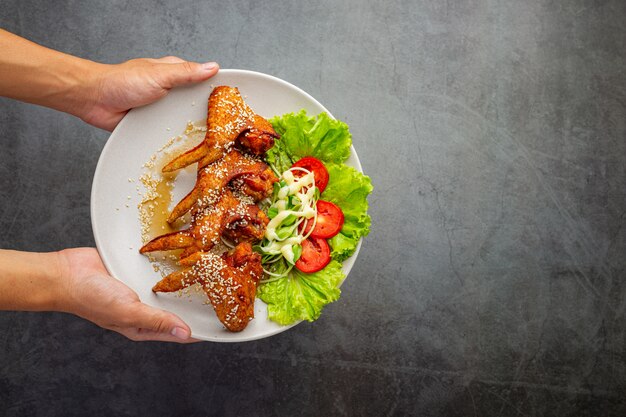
58, 276
31, 281
80, 90
66, 284
47, 273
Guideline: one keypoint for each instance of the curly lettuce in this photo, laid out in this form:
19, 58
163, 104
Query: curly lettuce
320, 136
301, 296
348, 189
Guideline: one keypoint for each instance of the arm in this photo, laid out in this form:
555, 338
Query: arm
99, 94
75, 281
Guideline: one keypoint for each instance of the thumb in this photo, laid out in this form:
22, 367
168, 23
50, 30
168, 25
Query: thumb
174, 74
154, 324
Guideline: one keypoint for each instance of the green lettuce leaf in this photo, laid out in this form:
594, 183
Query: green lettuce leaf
300, 135
348, 189
301, 296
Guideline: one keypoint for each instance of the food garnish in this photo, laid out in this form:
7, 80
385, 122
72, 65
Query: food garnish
329, 220
321, 146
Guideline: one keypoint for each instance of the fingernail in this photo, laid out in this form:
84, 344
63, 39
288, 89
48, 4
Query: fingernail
180, 333
209, 66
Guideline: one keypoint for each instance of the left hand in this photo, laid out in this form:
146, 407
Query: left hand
91, 293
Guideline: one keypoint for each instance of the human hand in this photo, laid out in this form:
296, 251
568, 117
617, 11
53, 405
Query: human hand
91, 293
112, 90
100, 94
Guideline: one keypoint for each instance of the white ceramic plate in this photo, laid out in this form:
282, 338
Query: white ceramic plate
139, 135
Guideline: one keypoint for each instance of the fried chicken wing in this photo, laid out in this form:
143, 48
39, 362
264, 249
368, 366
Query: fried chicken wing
210, 223
229, 281
258, 186
212, 179
175, 281
260, 138
229, 181
229, 121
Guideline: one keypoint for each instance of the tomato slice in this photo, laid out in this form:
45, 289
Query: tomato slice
315, 255
329, 220
317, 167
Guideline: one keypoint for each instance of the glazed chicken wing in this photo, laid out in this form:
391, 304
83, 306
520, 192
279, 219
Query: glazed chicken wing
229, 120
209, 223
229, 281
228, 183
212, 179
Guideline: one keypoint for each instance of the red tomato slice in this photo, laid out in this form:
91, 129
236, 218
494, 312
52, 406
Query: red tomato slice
315, 255
329, 220
317, 167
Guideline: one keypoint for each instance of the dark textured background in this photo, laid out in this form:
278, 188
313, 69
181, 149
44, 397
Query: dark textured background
493, 281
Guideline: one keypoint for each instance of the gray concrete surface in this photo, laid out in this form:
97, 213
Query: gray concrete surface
493, 281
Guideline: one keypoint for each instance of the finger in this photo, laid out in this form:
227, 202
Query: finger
165, 60
154, 322
144, 335
172, 75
